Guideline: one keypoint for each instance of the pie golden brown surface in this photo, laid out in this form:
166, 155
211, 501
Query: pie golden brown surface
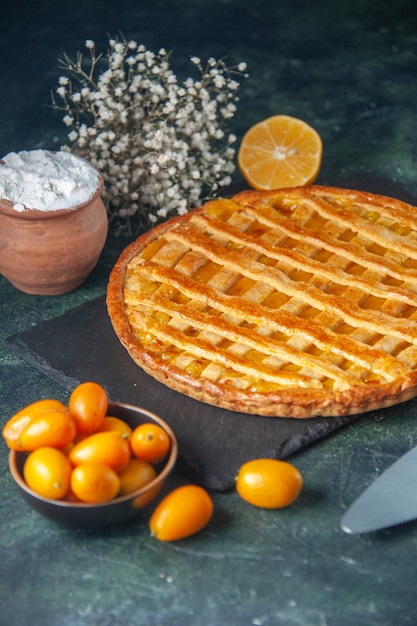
293, 303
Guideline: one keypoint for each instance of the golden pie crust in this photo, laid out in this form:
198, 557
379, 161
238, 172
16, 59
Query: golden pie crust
294, 303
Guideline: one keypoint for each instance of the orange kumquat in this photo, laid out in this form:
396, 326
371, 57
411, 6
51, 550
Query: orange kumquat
135, 475
108, 448
55, 429
88, 405
94, 483
47, 471
150, 442
269, 483
183, 512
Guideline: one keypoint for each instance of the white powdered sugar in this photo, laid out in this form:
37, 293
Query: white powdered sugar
47, 181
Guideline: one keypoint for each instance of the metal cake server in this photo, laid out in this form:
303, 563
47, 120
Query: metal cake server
390, 500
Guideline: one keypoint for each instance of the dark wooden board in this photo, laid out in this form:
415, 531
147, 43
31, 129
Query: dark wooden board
81, 345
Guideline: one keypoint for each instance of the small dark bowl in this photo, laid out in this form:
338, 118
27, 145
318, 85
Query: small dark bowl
120, 509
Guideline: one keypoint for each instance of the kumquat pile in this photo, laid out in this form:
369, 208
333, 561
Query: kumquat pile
79, 453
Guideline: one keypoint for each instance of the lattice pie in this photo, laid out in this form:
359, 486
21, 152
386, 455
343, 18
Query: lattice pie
292, 303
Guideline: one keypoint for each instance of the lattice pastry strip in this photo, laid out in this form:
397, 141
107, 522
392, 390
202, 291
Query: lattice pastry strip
295, 303
322, 240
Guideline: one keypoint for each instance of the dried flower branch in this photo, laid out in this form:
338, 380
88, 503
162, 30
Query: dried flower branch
162, 146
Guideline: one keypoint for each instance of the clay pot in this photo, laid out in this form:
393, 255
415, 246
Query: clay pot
51, 252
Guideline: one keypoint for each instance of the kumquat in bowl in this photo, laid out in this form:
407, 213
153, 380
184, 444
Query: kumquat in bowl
91, 463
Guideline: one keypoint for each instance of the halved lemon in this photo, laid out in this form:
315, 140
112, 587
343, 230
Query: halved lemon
279, 152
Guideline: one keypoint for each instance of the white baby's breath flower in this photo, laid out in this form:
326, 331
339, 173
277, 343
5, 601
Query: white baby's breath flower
233, 84
160, 143
219, 81
119, 47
